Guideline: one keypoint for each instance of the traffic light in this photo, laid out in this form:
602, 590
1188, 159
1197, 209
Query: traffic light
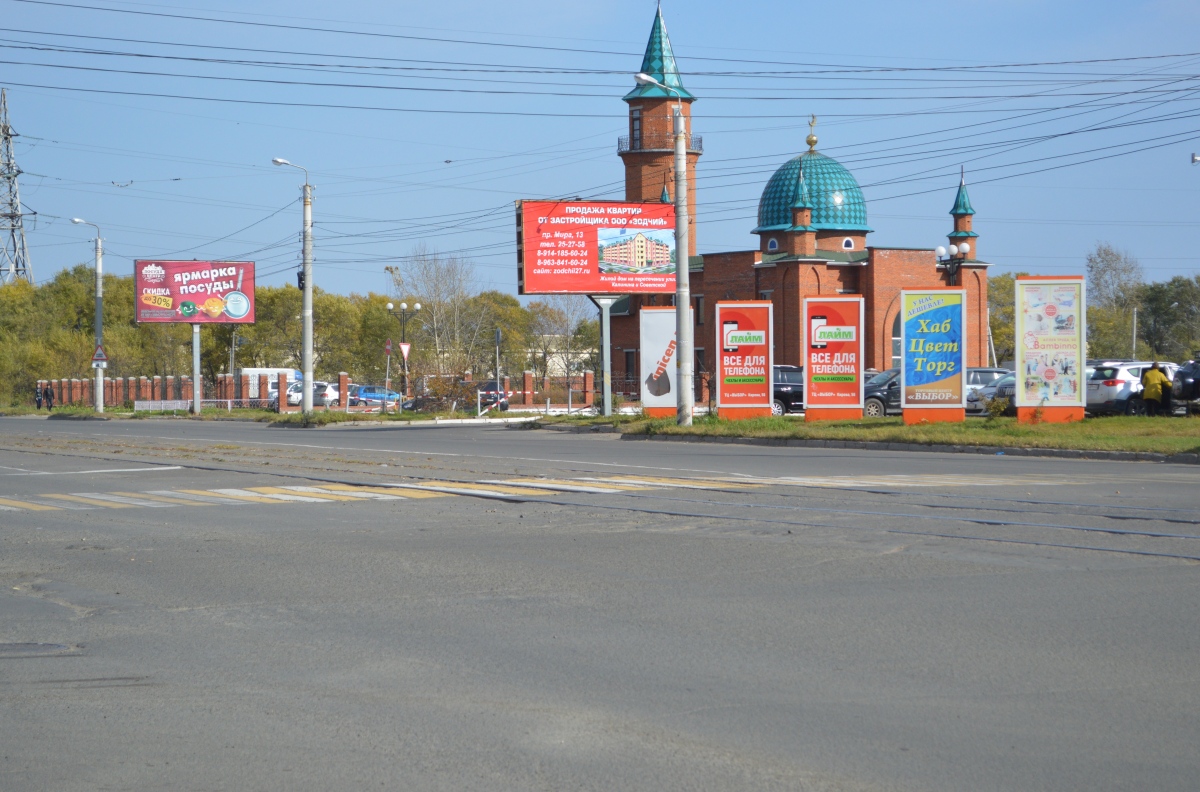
300, 279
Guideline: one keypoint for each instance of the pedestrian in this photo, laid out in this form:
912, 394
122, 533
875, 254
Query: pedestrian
49, 395
37, 396
1153, 381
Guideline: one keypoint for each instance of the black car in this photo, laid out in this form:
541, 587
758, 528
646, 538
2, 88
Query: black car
788, 386
881, 394
1185, 390
490, 393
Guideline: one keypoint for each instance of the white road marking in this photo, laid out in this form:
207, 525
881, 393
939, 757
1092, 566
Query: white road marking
86, 472
104, 496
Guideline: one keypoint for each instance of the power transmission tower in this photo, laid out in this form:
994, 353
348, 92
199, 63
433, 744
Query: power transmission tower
14, 253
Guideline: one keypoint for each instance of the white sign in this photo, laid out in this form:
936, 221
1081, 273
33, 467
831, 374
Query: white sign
1051, 316
658, 364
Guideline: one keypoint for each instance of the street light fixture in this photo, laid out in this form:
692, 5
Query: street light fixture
403, 315
99, 321
306, 312
683, 299
950, 258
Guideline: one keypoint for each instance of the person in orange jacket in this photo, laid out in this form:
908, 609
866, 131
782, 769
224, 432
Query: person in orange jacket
1153, 381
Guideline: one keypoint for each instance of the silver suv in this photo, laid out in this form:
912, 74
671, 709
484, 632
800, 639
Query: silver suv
1116, 387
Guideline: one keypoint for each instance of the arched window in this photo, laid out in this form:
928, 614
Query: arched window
847, 244
772, 244
896, 341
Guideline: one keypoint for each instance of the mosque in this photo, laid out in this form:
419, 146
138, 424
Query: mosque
812, 239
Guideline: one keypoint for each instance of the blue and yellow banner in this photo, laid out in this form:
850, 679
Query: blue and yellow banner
934, 348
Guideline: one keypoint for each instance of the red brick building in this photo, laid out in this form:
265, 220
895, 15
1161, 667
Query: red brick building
812, 239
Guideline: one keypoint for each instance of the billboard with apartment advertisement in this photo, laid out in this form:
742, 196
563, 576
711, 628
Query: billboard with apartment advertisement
833, 351
194, 292
595, 247
1051, 318
745, 353
933, 341
659, 372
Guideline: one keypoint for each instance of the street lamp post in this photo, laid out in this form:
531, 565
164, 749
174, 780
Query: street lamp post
403, 315
99, 321
306, 312
683, 300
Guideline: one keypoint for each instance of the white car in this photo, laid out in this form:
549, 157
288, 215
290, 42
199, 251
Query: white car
1116, 388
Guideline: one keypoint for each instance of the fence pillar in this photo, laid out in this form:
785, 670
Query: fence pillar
156, 388
283, 386
344, 390
589, 388
527, 386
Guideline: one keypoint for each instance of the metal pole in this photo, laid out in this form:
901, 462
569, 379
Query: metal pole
197, 385
683, 299
99, 319
499, 381
387, 377
306, 313
606, 304
1133, 346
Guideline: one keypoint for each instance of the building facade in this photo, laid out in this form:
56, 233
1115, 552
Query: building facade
812, 239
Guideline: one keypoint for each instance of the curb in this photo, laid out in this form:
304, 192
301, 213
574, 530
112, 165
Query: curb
436, 422
867, 445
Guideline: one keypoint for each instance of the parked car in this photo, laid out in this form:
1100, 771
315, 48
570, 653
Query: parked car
490, 393
1185, 387
326, 394
881, 394
979, 398
788, 390
1116, 388
374, 396
979, 377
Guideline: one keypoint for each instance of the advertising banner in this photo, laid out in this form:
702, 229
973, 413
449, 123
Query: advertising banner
657, 351
932, 368
833, 351
745, 354
194, 292
1050, 322
595, 247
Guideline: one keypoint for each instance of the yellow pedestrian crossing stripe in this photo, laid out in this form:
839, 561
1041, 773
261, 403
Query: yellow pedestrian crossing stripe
501, 489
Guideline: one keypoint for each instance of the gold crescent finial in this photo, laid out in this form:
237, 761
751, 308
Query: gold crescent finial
811, 140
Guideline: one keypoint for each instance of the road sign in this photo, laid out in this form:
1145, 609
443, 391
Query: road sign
99, 364
387, 348
404, 350
99, 356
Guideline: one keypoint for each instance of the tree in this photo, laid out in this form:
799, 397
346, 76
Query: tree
1002, 318
1114, 282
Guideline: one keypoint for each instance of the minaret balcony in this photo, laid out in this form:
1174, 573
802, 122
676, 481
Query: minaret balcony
626, 143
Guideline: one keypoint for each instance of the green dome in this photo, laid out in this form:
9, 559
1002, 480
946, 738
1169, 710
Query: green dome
836, 200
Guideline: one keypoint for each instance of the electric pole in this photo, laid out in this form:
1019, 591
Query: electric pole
14, 253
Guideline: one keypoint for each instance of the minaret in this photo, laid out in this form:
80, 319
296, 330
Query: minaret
649, 149
14, 253
962, 214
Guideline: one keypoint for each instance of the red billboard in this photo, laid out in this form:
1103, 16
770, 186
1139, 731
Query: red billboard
745, 355
595, 247
194, 292
833, 351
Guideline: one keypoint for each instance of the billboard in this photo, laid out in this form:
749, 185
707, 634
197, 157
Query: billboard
1050, 322
195, 292
833, 351
659, 370
595, 247
745, 353
932, 366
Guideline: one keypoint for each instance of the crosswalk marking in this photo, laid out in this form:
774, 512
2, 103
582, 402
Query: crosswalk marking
88, 501
475, 488
128, 501
356, 494
291, 494
198, 497
177, 500
667, 483
921, 480
25, 506
564, 485
392, 491
271, 497
233, 495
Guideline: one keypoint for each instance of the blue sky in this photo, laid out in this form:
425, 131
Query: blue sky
474, 105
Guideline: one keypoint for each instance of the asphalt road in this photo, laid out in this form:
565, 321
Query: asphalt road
224, 606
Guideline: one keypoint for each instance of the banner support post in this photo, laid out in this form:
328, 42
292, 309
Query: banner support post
606, 304
196, 386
